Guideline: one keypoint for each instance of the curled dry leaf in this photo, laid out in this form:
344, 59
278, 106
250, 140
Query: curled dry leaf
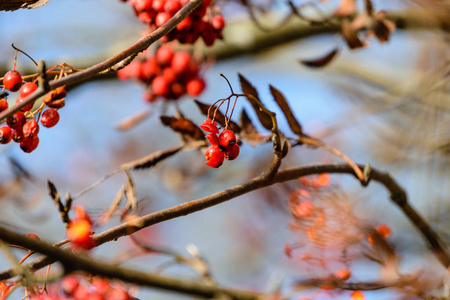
287, 111
11, 5
351, 35
321, 61
185, 127
248, 89
218, 117
151, 159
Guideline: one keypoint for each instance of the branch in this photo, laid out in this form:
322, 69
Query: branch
110, 63
74, 262
398, 196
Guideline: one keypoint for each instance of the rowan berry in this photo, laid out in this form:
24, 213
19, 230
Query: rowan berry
160, 86
195, 86
70, 284
343, 274
27, 89
217, 22
29, 145
172, 6
17, 135
16, 121
5, 134
30, 129
50, 118
185, 24
210, 126
158, 5
180, 62
213, 139
12, 80
3, 105
164, 55
162, 18
231, 152
214, 156
227, 138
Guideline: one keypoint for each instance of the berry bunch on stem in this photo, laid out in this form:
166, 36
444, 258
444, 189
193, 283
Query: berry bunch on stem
23, 126
168, 74
205, 22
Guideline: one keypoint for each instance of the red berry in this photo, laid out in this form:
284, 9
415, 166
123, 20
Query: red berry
158, 5
214, 156
70, 284
177, 89
227, 138
16, 121
26, 107
149, 69
49, 118
141, 5
217, 22
210, 126
172, 6
185, 24
195, 86
231, 152
133, 70
5, 134
30, 129
162, 18
213, 139
29, 145
149, 96
169, 75
3, 105
33, 236
27, 89
17, 135
160, 86
12, 80
164, 55
180, 62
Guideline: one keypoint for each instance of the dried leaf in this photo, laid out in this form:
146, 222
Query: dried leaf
130, 193
369, 7
133, 120
351, 36
219, 117
52, 191
184, 126
249, 133
112, 208
151, 159
287, 111
381, 31
10, 5
321, 61
248, 89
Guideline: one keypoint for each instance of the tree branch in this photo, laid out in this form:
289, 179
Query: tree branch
398, 196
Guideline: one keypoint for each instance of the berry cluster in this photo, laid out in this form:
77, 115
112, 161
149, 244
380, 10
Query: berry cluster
78, 289
22, 127
222, 146
167, 74
202, 22
79, 230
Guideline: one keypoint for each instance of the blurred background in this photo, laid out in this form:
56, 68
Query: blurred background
387, 104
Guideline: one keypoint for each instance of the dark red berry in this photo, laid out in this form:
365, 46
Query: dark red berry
164, 55
195, 86
49, 118
3, 105
177, 90
29, 145
172, 6
30, 129
17, 135
180, 62
16, 121
231, 152
5, 134
214, 156
210, 126
69, 284
162, 18
12, 80
26, 107
27, 89
217, 22
227, 138
185, 24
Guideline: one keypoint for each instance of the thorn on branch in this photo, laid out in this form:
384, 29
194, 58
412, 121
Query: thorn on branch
43, 80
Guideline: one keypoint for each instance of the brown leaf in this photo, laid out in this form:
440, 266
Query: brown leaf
369, 7
133, 120
249, 133
381, 31
10, 5
287, 111
248, 89
184, 126
151, 159
321, 61
351, 36
219, 117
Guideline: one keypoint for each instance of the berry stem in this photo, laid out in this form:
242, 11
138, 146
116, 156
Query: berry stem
18, 50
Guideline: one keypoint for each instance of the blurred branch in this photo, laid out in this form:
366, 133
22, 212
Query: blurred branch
397, 195
74, 262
